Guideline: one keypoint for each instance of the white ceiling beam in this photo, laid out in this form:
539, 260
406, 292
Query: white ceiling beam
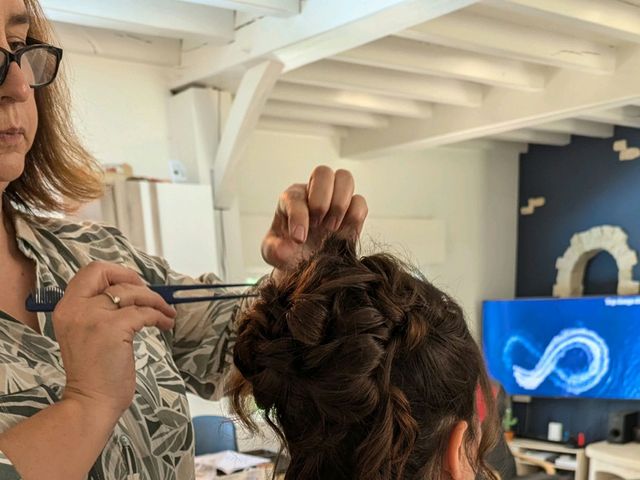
164, 52
618, 19
504, 110
160, 18
626, 116
241, 121
574, 126
426, 59
332, 116
489, 144
534, 136
380, 81
272, 124
345, 99
491, 36
323, 29
271, 8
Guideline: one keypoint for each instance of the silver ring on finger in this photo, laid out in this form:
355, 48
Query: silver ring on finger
115, 299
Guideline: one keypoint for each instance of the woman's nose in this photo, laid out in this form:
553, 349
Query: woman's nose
15, 87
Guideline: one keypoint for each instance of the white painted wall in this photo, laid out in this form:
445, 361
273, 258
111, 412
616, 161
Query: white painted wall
120, 110
473, 192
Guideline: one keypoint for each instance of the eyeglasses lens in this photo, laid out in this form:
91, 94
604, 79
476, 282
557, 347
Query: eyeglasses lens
39, 66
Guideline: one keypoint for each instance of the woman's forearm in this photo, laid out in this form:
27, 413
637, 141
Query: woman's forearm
62, 441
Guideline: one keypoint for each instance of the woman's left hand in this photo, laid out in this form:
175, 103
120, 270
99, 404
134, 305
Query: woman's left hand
307, 213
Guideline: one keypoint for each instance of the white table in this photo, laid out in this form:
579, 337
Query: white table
607, 459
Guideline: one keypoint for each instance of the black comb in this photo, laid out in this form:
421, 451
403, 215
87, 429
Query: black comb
45, 299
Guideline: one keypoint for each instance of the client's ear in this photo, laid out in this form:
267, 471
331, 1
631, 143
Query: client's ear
456, 463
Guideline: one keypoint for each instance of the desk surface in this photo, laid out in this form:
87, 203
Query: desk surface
626, 455
542, 445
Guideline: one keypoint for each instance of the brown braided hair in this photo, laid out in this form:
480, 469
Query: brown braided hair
363, 368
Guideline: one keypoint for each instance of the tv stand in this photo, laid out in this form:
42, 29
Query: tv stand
525, 446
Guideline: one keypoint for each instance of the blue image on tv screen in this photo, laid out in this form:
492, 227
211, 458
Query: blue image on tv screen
581, 347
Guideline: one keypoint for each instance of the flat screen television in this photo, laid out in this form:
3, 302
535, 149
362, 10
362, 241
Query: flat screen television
585, 347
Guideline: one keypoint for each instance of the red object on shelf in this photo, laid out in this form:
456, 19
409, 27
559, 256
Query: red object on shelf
581, 439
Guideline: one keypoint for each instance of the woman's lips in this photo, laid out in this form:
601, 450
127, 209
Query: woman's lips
11, 136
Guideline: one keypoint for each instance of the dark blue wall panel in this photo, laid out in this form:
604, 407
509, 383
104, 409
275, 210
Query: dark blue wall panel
585, 185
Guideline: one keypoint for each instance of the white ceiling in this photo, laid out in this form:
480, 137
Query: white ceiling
388, 75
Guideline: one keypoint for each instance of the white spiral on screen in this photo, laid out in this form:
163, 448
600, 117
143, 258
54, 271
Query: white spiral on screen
587, 341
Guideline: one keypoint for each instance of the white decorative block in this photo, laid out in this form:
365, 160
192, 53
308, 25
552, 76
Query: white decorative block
582, 248
532, 204
619, 145
629, 154
537, 202
526, 210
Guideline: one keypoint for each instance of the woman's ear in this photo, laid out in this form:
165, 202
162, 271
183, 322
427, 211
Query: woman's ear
456, 463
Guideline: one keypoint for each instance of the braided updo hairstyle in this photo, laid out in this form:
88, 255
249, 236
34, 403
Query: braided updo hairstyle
362, 368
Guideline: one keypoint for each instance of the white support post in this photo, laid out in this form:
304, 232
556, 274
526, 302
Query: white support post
228, 224
198, 117
195, 125
243, 117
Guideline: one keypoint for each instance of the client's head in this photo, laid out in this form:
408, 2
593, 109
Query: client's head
365, 370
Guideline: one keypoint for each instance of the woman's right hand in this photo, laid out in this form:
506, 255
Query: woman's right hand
96, 335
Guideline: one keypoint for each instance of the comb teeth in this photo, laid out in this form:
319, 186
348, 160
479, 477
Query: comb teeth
48, 295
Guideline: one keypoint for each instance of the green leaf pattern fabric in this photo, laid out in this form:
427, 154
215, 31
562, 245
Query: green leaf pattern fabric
154, 439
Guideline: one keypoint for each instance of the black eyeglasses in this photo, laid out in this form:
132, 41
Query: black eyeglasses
38, 61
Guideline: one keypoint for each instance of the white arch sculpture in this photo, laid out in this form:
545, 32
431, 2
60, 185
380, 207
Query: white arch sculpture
586, 245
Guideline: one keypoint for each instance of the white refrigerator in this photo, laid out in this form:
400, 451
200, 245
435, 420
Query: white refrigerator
175, 221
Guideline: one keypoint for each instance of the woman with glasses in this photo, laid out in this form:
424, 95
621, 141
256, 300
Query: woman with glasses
97, 389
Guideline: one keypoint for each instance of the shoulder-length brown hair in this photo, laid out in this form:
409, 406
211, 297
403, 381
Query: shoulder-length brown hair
59, 173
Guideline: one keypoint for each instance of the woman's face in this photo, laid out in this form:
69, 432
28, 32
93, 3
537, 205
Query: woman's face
18, 112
